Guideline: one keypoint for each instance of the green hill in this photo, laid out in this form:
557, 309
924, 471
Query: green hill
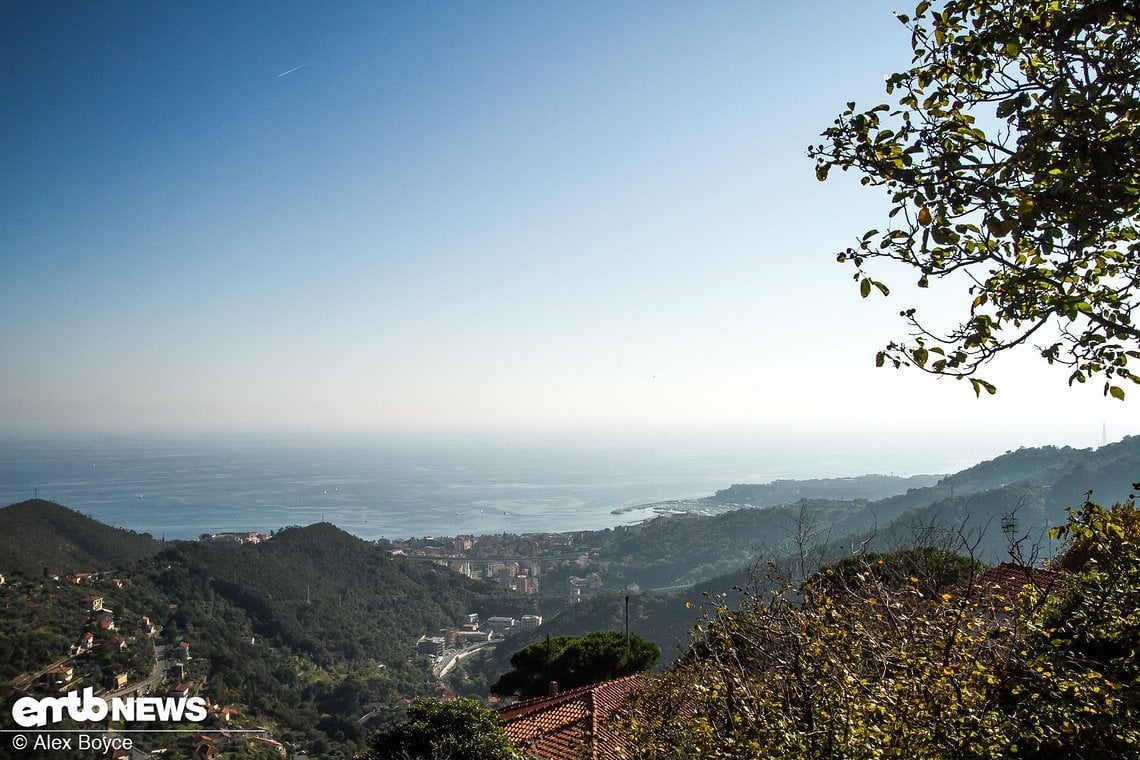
306, 632
38, 535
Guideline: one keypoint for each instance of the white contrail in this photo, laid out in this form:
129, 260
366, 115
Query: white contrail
290, 71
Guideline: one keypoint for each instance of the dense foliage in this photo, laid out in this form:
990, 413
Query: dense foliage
304, 634
573, 661
40, 622
461, 729
314, 627
932, 568
1010, 159
858, 663
43, 538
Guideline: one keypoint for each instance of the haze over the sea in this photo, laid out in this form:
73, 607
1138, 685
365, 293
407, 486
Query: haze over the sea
376, 485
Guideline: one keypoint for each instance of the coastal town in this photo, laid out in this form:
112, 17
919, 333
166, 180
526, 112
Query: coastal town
551, 564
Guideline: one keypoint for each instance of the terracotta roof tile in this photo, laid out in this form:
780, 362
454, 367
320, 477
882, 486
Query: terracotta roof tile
572, 725
1006, 581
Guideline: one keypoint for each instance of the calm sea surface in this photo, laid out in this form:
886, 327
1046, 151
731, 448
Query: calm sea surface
395, 486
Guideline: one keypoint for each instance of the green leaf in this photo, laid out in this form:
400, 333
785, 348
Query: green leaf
865, 287
1116, 392
982, 385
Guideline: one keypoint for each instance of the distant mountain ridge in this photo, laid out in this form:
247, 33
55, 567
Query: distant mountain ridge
1018, 495
779, 492
38, 535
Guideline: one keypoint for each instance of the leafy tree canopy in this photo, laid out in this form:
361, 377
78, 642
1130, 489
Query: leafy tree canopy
461, 729
882, 668
574, 661
1012, 163
931, 567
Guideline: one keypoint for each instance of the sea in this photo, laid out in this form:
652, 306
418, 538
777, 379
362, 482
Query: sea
397, 485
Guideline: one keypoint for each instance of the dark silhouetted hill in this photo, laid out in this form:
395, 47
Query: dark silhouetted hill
36, 535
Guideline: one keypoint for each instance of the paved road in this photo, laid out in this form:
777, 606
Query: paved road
442, 668
157, 674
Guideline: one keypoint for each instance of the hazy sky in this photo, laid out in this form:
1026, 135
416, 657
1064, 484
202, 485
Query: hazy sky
301, 214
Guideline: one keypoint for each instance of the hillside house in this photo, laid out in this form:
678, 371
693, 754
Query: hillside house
1005, 582
431, 645
440, 691
59, 676
204, 747
503, 626
472, 637
450, 636
574, 724
86, 641
996, 591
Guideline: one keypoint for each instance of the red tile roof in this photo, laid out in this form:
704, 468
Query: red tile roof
572, 725
1006, 582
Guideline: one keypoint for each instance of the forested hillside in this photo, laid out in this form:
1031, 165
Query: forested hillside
304, 633
40, 537
1031, 485
785, 491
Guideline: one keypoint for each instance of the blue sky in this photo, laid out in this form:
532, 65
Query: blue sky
579, 215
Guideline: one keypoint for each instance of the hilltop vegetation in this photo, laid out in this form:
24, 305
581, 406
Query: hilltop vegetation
44, 538
786, 491
855, 662
313, 627
305, 633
